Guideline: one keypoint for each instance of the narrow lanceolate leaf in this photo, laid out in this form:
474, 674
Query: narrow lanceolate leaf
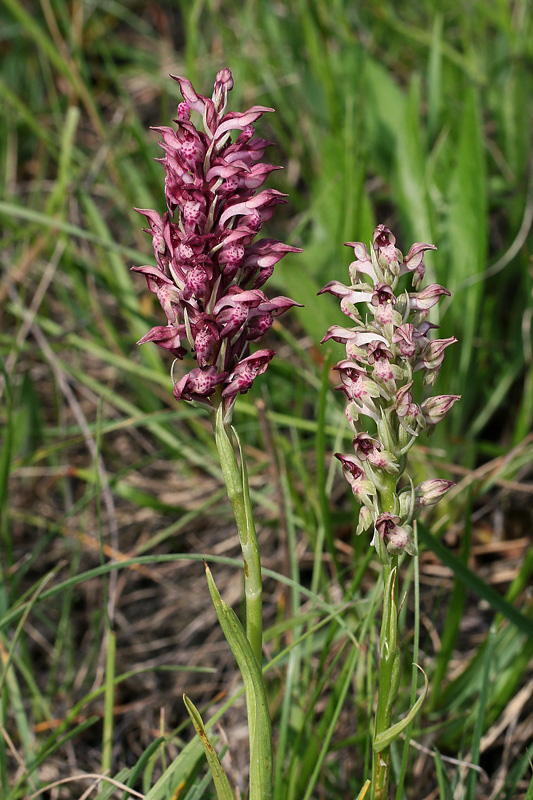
467, 220
261, 754
385, 739
364, 790
220, 779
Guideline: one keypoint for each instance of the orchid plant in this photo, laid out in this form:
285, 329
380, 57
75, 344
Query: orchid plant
388, 343
208, 277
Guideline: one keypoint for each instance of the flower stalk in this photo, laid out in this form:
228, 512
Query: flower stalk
388, 344
236, 480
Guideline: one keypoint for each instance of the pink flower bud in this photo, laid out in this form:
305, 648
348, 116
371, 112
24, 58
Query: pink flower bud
433, 353
427, 298
408, 412
434, 409
430, 492
225, 79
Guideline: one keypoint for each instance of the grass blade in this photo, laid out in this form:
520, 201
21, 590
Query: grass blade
475, 583
220, 779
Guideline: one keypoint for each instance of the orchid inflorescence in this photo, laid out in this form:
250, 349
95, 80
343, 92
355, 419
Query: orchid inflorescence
384, 350
209, 271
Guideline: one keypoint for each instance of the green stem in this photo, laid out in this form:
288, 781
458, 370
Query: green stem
389, 665
236, 480
260, 731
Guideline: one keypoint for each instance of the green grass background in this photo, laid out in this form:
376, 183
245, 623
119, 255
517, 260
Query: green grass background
415, 115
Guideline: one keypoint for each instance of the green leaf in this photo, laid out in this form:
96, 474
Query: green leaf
467, 223
364, 790
109, 789
178, 772
475, 742
261, 753
475, 583
109, 702
385, 739
445, 789
15, 211
6, 449
220, 779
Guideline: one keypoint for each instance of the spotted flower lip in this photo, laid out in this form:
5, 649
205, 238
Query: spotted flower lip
209, 270
198, 384
244, 374
396, 536
371, 450
361, 487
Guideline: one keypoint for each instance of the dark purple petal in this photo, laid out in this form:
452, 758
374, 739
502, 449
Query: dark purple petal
209, 272
168, 337
235, 121
350, 465
278, 305
193, 100
385, 246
